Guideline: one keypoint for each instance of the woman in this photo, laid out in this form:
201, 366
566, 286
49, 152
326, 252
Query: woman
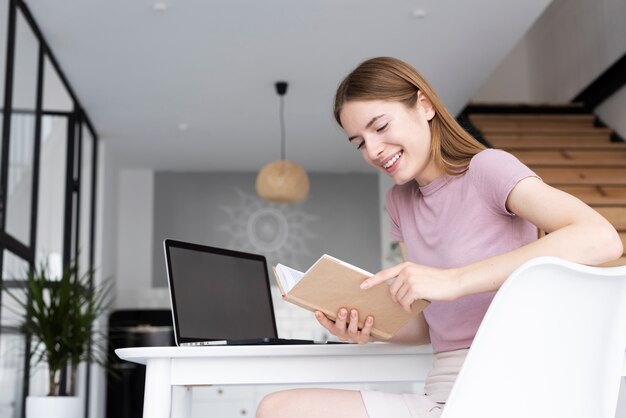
465, 217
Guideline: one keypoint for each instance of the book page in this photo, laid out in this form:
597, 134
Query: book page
288, 277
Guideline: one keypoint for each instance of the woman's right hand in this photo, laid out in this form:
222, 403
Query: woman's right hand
346, 327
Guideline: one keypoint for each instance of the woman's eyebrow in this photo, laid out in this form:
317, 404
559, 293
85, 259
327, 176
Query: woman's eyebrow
374, 119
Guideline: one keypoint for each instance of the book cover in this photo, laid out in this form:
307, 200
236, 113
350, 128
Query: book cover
331, 284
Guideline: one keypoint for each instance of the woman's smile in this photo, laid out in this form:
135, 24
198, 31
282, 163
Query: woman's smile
391, 164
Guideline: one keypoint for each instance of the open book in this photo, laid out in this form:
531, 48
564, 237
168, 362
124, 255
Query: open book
331, 284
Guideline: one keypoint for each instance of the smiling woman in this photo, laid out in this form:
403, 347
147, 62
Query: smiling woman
465, 217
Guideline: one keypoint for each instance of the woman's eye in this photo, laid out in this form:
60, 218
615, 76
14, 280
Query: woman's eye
361, 145
382, 128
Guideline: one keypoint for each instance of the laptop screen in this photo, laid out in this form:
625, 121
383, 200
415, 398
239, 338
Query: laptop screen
218, 294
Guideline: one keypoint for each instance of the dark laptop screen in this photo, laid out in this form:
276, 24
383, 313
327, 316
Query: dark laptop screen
218, 294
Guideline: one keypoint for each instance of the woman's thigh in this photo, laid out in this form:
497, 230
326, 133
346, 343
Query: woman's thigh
312, 403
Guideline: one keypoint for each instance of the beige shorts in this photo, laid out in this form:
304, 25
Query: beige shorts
438, 385
407, 405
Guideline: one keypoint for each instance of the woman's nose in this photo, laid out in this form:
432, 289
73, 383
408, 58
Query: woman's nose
374, 149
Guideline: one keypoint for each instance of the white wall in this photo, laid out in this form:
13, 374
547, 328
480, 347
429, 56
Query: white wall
613, 111
106, 213
105, 253
511, 82
135, 211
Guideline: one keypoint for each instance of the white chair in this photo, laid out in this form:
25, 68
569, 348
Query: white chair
551, 345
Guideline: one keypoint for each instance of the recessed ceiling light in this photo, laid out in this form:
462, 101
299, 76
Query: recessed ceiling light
159, 6
419, 13
183, 126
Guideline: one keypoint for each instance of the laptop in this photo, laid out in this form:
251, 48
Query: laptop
220, 296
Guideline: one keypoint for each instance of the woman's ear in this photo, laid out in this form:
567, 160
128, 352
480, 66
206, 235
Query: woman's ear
426, 105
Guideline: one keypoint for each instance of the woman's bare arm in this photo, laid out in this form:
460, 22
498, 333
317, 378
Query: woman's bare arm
576, 233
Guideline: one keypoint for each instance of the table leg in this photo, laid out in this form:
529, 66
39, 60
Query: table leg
157, 402
181, 401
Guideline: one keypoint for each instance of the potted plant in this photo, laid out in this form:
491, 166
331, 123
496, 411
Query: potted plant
59, 314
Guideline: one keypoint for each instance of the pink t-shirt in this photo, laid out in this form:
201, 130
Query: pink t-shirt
455, 221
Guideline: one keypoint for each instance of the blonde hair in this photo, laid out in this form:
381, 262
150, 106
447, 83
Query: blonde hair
391, 79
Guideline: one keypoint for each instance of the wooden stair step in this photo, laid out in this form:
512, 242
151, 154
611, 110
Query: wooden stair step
526, 107
548, 129
596, 146
600, 134
531, 117
615, 215
523, 121
593, 158
532, 126
581, 176
598, 195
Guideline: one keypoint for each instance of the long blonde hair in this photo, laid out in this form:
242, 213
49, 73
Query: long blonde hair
391, 79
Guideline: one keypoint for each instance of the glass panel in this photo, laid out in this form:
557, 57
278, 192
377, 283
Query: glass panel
25, 66
11, 374
85, 199
20, 182
55, 96
14, 268
11, 311
51, 190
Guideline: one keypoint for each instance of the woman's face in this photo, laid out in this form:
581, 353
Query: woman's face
393, 138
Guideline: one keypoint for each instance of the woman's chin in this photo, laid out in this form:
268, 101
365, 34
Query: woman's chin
399, 180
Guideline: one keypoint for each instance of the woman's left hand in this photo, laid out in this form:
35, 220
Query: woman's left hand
411, 282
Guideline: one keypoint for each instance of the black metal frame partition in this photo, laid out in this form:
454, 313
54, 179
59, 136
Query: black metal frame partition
77, 120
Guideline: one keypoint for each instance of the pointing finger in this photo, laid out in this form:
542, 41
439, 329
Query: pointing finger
382, 276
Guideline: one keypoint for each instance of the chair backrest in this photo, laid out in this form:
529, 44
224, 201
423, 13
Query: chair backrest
551, 345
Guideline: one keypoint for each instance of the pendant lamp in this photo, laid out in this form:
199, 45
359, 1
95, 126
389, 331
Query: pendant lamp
282, 181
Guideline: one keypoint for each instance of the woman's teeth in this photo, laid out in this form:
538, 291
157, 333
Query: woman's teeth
392, 160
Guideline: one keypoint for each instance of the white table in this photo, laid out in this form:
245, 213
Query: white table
171, 371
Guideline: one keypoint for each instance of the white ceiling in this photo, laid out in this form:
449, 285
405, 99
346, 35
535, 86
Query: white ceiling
212, 64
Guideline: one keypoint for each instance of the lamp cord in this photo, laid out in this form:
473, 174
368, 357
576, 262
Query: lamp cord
282, 127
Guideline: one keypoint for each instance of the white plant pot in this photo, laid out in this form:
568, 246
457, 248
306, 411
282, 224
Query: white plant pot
54, 407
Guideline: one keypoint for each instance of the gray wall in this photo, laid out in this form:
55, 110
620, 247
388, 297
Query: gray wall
340, 217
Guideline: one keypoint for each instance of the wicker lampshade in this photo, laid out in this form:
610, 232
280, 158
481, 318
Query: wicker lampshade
282, 182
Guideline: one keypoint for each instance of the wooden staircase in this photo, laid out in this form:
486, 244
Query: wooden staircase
569, 152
